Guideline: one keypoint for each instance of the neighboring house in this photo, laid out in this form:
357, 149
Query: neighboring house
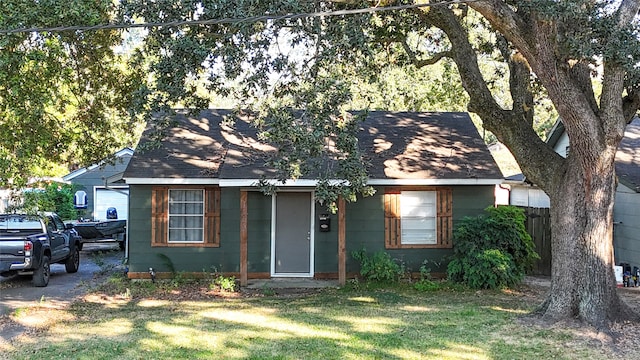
194, 204
100, 186
517, 191
626, 210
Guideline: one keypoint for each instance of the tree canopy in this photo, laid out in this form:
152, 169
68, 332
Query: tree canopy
547, 47
65, 97
299, 73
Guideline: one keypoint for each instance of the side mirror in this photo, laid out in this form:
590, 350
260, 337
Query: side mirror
68, 226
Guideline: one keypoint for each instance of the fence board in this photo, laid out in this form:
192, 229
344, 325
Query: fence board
539, 227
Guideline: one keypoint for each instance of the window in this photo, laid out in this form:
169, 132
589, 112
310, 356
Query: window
418, 217
185, 217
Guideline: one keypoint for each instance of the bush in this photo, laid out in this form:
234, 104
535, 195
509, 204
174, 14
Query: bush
492, 251
225, 283
54, 197
379, 267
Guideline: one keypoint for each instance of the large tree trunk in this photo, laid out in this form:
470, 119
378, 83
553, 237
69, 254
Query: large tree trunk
581, 187
583, 284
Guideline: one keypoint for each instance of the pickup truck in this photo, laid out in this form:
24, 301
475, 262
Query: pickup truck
29, 244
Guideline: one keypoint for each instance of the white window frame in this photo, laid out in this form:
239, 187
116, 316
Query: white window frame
169, 215
419, 217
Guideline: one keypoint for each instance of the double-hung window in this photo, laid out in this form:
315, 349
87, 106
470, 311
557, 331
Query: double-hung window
185, 216
418, 217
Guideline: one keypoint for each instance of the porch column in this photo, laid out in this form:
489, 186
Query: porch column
342, 240
244, 235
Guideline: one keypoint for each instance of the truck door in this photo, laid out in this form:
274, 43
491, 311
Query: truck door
59, 240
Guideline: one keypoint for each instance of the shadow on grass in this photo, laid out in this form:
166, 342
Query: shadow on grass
333, 324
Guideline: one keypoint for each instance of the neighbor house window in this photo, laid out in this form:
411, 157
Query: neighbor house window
185, 216
418, 217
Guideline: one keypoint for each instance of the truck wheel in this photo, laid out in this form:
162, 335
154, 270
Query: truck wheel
41, 274
73, 261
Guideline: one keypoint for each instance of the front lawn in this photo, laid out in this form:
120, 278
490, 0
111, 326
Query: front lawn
361, 323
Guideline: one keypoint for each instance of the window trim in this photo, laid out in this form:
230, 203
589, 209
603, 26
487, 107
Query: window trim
393, 221
169, 215
160, 217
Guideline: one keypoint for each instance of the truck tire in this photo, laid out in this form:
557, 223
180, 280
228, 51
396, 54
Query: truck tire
42, 273
73, 261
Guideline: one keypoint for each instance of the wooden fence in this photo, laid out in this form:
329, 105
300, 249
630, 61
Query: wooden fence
539, 227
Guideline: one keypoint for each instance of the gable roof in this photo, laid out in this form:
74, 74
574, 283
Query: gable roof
627, 156
121, 154
400, 148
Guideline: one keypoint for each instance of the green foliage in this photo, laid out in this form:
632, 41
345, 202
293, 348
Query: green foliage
53, 197
67, 96
225, 283
379, 267
425, 283
492, 251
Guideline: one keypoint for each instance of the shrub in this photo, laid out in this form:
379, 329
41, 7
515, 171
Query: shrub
53, 197
492, 251
379, 267
225, 283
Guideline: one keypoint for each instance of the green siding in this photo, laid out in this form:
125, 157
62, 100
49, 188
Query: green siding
365, 229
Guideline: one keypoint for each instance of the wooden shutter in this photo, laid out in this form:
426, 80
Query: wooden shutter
159, 216
392, 231
212, 216
445, 217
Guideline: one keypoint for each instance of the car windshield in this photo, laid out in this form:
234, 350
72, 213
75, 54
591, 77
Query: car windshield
19, 222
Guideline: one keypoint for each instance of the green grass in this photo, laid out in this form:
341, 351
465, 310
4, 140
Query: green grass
367, 323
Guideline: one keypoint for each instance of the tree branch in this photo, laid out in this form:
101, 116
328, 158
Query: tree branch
511, 127
507, 22
420, 63
631, 105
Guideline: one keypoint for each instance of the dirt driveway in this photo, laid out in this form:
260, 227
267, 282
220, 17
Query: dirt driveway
18, 293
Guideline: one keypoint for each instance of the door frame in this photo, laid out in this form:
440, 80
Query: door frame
311, 235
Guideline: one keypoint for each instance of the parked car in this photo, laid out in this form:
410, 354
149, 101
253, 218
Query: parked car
29, 244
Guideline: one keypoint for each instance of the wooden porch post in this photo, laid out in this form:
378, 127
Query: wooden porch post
244, 234
342, 240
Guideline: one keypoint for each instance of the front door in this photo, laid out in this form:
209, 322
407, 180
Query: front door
292, 237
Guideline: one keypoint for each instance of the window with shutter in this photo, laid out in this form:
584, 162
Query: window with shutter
185, 217
418, 217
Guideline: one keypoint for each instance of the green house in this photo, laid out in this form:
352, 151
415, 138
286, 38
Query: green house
195, 206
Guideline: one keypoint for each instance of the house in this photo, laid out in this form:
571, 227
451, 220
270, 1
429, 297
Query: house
626, 216
194, 205
100, 187
516, 190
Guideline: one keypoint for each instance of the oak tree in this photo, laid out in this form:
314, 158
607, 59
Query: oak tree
65, 96
279, 64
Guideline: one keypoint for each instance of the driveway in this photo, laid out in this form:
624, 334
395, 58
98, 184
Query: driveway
18, 293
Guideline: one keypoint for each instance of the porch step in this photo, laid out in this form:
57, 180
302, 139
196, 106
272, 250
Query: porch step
284, 283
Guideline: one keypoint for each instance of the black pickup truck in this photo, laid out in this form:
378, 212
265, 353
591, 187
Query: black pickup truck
30, 243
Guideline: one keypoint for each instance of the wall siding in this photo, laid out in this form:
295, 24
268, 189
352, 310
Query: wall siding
626, 215
95, 178
364, 229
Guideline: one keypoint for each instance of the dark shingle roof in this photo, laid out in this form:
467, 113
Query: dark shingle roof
397, 145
